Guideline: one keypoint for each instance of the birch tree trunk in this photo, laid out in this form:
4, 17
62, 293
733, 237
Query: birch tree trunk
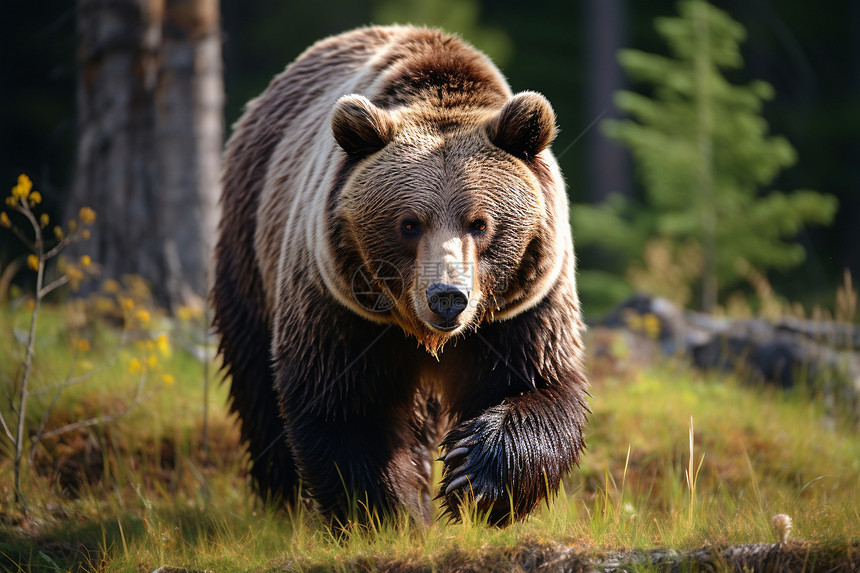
150, 99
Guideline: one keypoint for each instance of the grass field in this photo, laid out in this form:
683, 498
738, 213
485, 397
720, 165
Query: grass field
142, 486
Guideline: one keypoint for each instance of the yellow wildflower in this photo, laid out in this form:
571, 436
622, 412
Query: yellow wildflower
134, 366
35, 198
163, 345
111, 286
86, 261
168, 379
651, 325
44, 220
73, 225
11, 201
74, 273
58, 233
22, 189
152, 360
4, 220
87, 216
83, 345
143, 316
187, 313
85, 234
126, 303
33, 262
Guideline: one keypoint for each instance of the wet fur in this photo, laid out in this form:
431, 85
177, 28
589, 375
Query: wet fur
340, 396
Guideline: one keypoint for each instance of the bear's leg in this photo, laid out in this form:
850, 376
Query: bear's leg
519, 413
349, 395
427, 428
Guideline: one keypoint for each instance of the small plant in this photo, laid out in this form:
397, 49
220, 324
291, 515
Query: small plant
692, 473
43, 248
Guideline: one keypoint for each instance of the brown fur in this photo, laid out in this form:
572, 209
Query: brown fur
399, 155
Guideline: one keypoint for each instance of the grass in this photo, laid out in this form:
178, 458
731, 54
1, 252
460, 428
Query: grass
151, 495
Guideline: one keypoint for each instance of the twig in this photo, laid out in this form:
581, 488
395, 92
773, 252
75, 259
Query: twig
138, 398
6, 428
31, 343
48, 289
38, 438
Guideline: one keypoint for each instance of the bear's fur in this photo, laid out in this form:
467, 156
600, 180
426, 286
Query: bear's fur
395, 271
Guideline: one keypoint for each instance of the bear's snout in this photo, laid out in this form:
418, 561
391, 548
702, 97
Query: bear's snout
447, 301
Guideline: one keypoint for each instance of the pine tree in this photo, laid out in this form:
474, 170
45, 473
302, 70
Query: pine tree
703, 152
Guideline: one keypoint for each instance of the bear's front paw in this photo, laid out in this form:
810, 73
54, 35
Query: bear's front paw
477, 467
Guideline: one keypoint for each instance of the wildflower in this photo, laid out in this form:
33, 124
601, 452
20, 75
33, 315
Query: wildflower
58, 233
143, 316
168, 379
74, 274
111, 286
126, 303
35, 198
186, 313
43, 219
163, 345
87, 216
85, 234
33, 262
82, 345
11, 201
73, 225
152, 361
134, 366
4, 220
651, 325
22, 189
86, 261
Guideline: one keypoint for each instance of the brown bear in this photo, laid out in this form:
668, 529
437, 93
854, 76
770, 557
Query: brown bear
395, 272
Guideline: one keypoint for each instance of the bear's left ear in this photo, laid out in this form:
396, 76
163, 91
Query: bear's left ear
525, 126
360, 127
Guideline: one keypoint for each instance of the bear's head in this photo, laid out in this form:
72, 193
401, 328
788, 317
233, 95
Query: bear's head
449, 215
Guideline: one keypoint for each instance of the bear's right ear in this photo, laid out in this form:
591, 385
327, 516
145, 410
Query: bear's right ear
360, 127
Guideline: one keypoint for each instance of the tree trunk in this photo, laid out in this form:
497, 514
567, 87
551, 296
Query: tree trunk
609, 163
150, 98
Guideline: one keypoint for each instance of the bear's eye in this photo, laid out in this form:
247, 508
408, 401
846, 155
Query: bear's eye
410, 228
477, 227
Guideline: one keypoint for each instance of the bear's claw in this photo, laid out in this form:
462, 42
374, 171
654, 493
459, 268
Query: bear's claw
475, 468
454, 454
457, 483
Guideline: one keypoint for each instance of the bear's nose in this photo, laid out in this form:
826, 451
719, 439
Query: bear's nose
446, 300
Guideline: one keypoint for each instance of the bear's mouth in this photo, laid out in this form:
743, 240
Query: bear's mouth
446, 326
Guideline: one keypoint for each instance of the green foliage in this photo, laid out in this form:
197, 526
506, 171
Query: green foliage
703, 151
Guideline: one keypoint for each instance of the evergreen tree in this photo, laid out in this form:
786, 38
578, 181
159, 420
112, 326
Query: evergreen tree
702, 151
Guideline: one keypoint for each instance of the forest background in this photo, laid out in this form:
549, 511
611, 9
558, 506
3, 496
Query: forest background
808, 52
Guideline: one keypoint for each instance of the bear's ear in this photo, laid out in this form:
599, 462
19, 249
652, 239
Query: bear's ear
360, 127
525, 126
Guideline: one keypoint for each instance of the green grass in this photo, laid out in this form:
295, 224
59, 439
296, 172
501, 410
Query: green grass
152, 497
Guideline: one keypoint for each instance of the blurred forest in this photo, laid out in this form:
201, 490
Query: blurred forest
809, 53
